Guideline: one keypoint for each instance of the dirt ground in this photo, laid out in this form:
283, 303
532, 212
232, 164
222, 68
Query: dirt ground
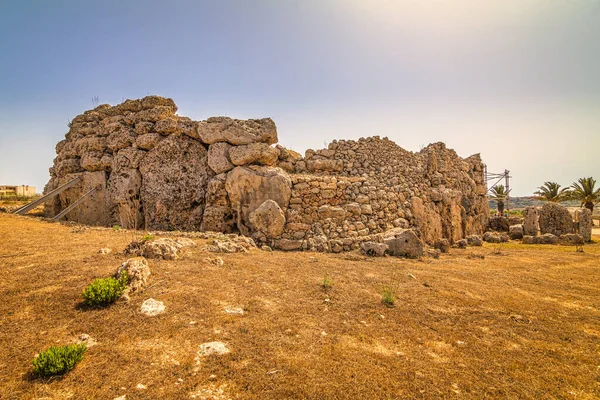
512, 321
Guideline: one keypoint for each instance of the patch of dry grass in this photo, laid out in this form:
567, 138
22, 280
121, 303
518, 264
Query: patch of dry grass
524, 323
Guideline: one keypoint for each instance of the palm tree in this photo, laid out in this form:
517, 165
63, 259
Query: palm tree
498, 193
551, 191
583, 190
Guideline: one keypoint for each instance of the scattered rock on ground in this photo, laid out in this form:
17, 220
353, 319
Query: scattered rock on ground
374, 249
234, 310
474, 240
104, 250
462, 243
86, 339
443, 245
152, 307
218, 261
516, 232
137, 271
210, 348
571, 239
547, 238
235, 244
404, 243
495, 237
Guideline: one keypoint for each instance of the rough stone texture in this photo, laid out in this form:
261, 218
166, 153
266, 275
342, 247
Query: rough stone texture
495, 237
163, 248
218, 157
212, 348
474, 240
374, 249
443, 245
530, 221
237, 132
584, 223
268, 218
462, 244
175, 176
152, 308
160, 171
137, 271
572, 239
516, 232
498, 224
404, 243
253, 153
555, 219
249, 187
231, 244
546, 238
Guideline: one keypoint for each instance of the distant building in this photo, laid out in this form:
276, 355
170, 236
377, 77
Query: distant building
23, 190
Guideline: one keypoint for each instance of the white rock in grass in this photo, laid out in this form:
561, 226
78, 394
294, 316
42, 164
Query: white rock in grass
152, 307
141, 386
234, 310
210, 348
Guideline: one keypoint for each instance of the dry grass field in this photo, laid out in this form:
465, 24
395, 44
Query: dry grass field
516, 321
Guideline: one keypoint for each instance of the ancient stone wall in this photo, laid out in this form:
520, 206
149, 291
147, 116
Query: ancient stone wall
160, 171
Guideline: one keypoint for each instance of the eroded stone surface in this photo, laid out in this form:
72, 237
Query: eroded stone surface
152, 307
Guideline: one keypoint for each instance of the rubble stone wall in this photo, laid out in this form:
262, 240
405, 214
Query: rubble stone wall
160, 171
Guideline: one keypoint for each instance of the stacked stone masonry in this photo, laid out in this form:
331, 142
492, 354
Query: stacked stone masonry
160, 171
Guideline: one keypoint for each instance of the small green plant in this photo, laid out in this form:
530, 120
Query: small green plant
147, 237
116, 227
58, 360
327, 282
104, 291
388, 296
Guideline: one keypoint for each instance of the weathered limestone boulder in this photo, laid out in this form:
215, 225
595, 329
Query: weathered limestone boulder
249, 187
584, 223
498, 224
237, 132
462, 243
546, 238
253, 153
530, 221
495, 237
374, 249
152, 308
218, 157
474, 240
218, 215
288, 244
137, 271
555, 219
175, 175
516, 232
404, 243
268, 218
571, 239
93, 210
163, 248
148, 141
443, 245
231, 244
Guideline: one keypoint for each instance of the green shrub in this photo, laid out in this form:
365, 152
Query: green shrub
388, 296
116, 227
104, 291
327, 282
147, 237
58, 360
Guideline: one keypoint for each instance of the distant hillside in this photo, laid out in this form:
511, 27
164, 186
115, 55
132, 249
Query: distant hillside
517, 203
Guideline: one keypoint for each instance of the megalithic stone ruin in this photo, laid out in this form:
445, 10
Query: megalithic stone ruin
160, 171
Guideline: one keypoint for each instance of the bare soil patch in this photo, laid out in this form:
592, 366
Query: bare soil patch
521, 322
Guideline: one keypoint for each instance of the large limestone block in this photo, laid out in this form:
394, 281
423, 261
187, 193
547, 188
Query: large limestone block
249, 187
237, 132
147, 141
268, 218
218, 216
253, 153
404, 243
218, 157
516, 232
137, 271
175, 174
585, 223
555, 219
94, 208
530, 221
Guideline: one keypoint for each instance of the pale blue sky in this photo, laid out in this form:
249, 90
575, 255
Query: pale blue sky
515, 80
